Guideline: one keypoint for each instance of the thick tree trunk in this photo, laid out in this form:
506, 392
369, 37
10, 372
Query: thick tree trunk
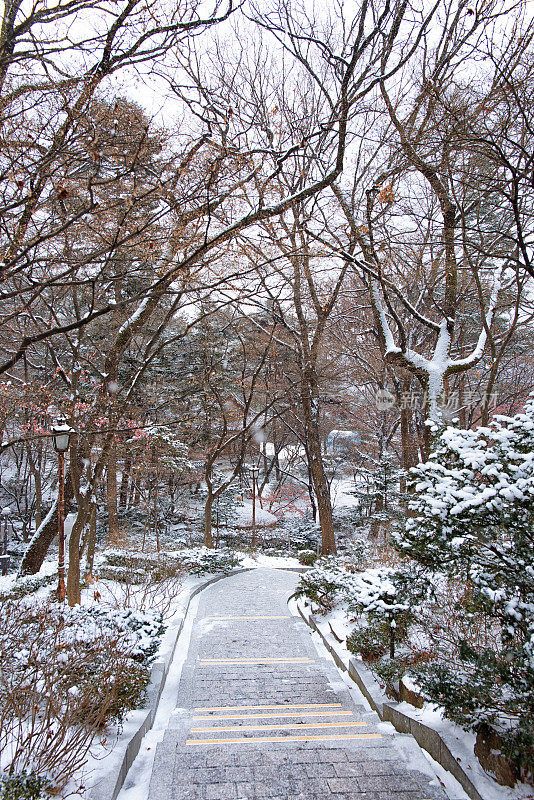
44, 536
311, 493
73, 576
208, 508
135, 494
75, 551
34, 465
374, 530
113, 518
38, 499
208, 534
324, 505
156, 522
409, 443
125, 480
91, 542
310, 405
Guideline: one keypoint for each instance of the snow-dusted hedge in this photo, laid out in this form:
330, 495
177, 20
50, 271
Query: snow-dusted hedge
136, 568
27, 584
24, 786
202, 560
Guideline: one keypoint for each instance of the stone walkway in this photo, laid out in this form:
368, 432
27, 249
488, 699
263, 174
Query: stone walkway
261, 714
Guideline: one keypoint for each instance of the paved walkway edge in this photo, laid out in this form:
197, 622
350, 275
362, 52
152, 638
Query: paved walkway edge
427, 738
109, 785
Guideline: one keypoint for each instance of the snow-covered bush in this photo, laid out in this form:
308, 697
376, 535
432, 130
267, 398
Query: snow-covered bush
371, 641
201, 560
328, 583
138, 568
23, 786
65, 674
307, 557
134, 567
299, 533
473, 518
360, 551
27, 584
384, 599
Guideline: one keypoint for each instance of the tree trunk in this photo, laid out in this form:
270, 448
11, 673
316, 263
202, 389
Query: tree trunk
34, 465
208, 535
374, 530
44, 536
408, 442
208, 508
310, 405
311, 493
113, 518
125, 480
156, 526
38, 499
73, 577
135, 494
91, 543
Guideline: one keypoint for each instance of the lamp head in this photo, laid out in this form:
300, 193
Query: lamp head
61, 432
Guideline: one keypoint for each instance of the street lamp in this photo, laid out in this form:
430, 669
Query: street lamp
61, 433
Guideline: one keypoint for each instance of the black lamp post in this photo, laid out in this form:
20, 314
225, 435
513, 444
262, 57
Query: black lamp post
61, 433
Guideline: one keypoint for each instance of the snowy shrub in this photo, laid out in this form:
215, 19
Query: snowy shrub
65, 674
23, 786
141, 580
202, 560
474, 520
385, 598
28, 584
371, 641
328, 583
360, 551
390, 670
299, 533
307, 557
136, 568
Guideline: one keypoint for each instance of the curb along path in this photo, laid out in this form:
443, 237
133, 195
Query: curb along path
260, 713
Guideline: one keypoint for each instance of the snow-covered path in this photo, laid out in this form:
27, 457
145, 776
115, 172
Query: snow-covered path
260, 711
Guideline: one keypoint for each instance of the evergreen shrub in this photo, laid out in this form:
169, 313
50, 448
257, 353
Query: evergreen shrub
370, 642
307, 557
473, 519
23, 786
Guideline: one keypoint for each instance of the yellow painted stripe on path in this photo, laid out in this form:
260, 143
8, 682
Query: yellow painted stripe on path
257, 661
246, 708
280, 727
265, 617
280, 716
255, 739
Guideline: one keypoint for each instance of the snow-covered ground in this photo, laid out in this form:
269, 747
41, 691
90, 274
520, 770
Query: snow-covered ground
342, 493
242, 517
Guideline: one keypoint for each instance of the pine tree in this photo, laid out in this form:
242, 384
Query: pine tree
474, 520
